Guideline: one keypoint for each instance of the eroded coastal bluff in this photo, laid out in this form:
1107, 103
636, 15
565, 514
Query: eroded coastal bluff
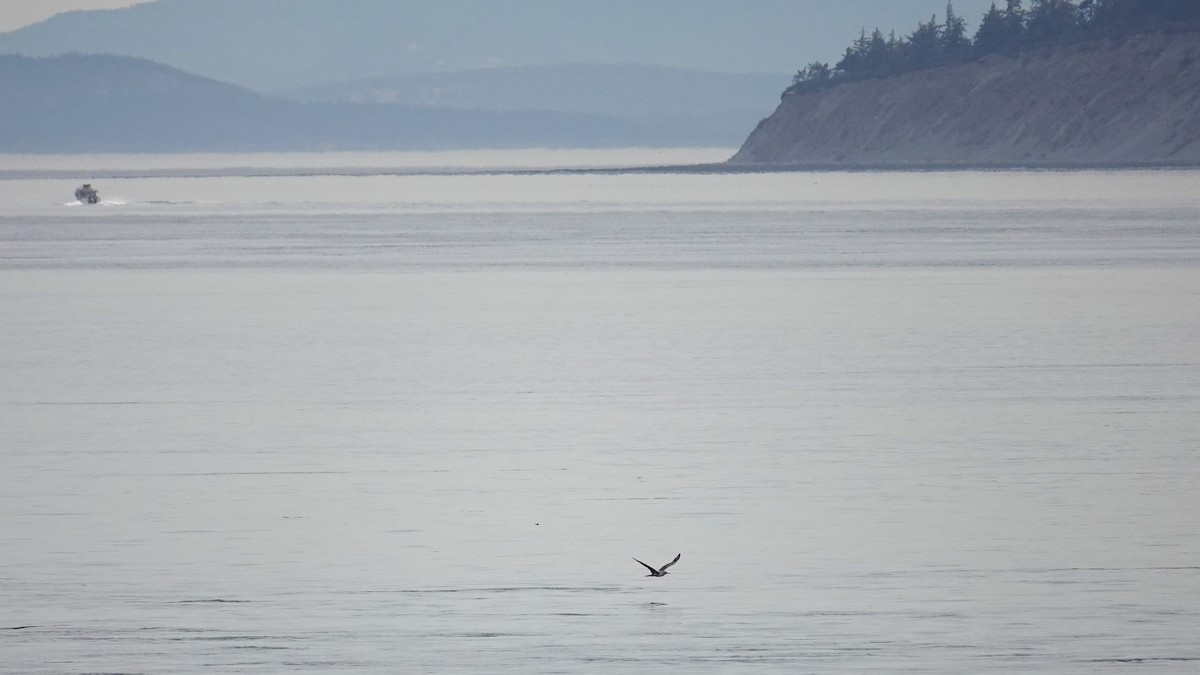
1128, 102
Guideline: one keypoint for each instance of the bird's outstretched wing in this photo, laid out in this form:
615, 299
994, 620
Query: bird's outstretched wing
652, 570
664, 567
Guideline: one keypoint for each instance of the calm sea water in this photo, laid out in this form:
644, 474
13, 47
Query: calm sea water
372, 414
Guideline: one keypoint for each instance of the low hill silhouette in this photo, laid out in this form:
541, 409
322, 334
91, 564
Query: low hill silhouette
119, 104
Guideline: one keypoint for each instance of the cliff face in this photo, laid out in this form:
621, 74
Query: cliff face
1101, 103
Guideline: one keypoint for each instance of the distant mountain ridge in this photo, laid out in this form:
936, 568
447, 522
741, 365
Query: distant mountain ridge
274, 45
91, 104
711, 108
271, 45
595, 88
431, 54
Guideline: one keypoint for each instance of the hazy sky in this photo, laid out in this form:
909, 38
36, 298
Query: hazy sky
17, 13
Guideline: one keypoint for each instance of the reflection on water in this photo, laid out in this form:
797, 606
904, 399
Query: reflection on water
894, 422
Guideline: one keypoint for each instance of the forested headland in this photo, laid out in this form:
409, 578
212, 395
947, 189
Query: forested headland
1001, 31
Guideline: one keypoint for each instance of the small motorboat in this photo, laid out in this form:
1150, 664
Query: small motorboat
87, 194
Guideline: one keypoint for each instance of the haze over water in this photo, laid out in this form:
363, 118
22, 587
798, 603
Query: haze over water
402, 420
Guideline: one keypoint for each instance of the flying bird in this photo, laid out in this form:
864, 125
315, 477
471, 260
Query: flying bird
660, 572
